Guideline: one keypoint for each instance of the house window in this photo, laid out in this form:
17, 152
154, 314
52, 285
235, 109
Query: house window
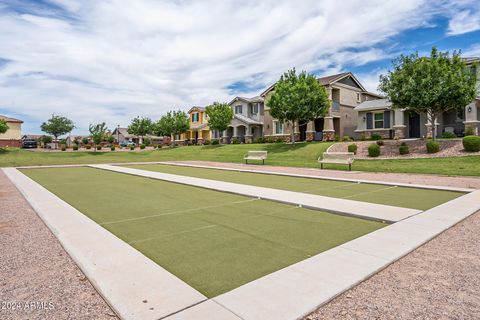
278, 127
238, 109
359, 97
177, 137
195, 117
378, 120
254, 108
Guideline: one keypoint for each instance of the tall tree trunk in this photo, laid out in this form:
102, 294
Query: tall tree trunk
56, 142
432, 117
293, 132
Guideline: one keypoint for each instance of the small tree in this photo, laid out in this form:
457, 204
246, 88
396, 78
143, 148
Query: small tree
298, 99
110, 139
3, 126
85, 141
57, 126
429, 85
140, 127
97, 133
46, 140
219, 116
173, 123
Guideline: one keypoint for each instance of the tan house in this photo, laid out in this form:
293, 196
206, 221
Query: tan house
13, 136
345, 93
247, 122
199, 131
379, 117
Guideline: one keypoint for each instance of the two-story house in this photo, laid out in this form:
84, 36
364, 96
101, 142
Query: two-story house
379, 117
199, 131
13, 136
247, 122
345, 93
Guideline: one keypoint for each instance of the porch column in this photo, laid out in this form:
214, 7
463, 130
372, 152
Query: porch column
471, 115
310, 133
328, 129
225, 136
399, 124
248, 134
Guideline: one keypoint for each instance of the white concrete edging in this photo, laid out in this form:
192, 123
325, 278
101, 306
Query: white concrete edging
334, 205
133, 285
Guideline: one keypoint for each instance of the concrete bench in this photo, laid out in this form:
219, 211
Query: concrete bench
337, 158
255, 155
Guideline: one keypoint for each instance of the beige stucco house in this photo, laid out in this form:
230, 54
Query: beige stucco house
247, 122
379, 117
13, 136
345, 93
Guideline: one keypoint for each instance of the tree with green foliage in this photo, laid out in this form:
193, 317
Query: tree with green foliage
219, 116
298, 99
429, 85
140, 127
173, 123
110, 139
98, 133
57, 126
3, 126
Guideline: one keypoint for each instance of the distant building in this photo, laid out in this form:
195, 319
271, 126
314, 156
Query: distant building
13, 136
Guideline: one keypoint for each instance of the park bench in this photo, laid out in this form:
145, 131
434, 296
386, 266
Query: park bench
255, 155
337, 158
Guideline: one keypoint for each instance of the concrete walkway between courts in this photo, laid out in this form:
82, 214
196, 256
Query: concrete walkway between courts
334, 205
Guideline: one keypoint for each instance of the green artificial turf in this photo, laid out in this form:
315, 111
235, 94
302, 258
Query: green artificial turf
213, 241
421, 199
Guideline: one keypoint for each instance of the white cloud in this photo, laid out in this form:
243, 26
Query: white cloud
109, 61
465, 21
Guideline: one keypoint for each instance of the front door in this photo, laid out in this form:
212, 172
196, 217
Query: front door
303, 131
414, 125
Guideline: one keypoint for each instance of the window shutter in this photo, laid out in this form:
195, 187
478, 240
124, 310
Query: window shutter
369, 120
386, 119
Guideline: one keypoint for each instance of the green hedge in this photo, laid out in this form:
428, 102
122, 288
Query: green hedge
374, 150
353, 148
471, 143
403, 150
433, 146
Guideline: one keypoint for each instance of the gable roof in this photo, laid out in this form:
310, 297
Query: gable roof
250, 100
379, 104
8, 119
195, 108
245, 119
328, 80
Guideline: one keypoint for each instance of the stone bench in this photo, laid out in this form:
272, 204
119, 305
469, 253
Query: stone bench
337, 158
255, 155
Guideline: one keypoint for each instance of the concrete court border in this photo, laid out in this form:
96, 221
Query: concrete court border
290, 293
138, 289
372, 211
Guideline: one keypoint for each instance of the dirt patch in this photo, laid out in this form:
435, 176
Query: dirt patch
448, 148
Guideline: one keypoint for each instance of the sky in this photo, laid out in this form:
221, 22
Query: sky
109, 61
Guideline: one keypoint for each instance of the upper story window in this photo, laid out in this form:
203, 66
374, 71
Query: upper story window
378, 120
359, 97
238, 109
195, 117
278, 126
254, 108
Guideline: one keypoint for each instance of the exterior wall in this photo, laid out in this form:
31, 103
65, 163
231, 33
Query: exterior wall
348, 121
13, 136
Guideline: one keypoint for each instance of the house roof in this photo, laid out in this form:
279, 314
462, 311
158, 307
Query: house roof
328, 80
124, 132
9, 119
195, 108
250, 100
469, 60
246, 119
378, 104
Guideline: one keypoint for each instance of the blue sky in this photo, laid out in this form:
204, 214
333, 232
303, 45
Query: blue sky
109, 61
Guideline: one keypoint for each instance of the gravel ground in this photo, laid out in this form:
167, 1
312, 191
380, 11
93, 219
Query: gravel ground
448, 148
427, 179
35, 270
440, 280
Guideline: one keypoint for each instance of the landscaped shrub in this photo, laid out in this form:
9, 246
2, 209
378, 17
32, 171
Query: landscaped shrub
380, 142
142, 146
403, 149
279, 140
373, 150
375, 136
346, 138
207, 142
352, 148
85, 141
112, 148
336, 138
215, 142
75, 147
269, 139
63, 148
132, 147
448, 135
469, 131
363, 137
235, 141
99, 147
88, 147
260, 140
433, 146
147, 141
471, 143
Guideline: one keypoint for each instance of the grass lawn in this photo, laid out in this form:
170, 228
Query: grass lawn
299, 155
214, 241
421, 199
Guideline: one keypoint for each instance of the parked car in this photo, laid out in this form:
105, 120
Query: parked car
29, 143
126, 143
